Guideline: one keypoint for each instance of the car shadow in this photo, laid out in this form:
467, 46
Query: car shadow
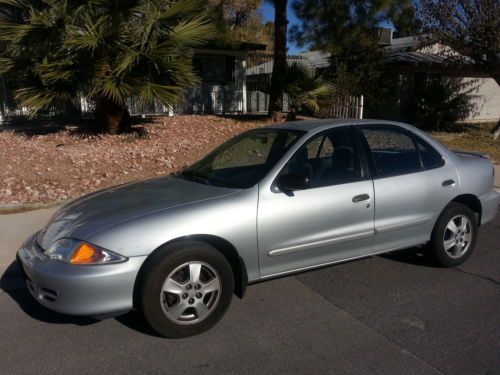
135, 321
13, 285
415, 256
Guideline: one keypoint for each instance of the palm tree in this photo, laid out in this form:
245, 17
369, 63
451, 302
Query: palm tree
306, 89
106, 50
280, 64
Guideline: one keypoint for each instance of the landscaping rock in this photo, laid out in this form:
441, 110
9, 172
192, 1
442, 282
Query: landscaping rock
65, 165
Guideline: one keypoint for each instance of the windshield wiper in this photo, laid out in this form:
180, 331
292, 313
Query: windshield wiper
204, 180
191, 175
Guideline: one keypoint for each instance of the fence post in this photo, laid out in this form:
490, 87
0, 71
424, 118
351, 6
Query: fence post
361, 107
3, 100
244, 84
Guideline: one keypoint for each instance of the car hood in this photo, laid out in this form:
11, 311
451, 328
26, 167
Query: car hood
92, 213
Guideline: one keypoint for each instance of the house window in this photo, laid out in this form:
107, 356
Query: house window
215, 69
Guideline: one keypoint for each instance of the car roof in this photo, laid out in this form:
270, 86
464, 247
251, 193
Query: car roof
316, 126
310, 125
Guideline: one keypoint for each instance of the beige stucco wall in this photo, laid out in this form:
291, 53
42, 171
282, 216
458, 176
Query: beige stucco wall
487, 100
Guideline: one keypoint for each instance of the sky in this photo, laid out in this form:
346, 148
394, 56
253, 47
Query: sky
268, 11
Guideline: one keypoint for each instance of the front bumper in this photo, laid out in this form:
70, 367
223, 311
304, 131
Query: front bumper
92, 290
489, 204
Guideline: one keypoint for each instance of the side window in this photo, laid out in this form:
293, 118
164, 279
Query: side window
430, 157
329, 158
393, 151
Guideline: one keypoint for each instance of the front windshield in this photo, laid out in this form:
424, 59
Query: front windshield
244, 160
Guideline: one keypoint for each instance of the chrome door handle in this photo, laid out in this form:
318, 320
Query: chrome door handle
448, 183
360, 198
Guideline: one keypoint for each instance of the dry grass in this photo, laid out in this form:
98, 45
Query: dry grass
475, 138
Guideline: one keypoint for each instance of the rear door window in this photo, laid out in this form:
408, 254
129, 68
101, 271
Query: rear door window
393, 150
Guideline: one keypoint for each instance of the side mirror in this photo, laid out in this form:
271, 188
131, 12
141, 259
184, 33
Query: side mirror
293, 181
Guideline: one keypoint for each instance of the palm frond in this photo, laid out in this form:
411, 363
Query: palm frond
6, 64
112, 50
10, 31
180, 10
193, 32
307, 88
87, 36
20, 4
166, 94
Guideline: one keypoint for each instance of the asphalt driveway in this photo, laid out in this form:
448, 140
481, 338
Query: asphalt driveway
392, 314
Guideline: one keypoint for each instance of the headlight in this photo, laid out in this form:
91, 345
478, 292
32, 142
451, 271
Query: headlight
79, 252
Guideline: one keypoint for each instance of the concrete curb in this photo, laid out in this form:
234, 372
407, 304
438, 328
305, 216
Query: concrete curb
15, 208
496, 183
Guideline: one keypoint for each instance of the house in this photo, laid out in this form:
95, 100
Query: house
408, 61
409, 57
258, 77
222, 89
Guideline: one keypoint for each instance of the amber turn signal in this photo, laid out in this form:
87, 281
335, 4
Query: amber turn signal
86, 254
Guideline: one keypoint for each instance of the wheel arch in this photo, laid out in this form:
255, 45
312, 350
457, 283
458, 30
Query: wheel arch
220, 244
471, 201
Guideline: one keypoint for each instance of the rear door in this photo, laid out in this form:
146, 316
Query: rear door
412, 184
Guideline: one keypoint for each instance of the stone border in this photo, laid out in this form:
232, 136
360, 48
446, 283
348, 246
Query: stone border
15, 208
496, 183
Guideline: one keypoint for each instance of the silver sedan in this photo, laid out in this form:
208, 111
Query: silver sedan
269, 202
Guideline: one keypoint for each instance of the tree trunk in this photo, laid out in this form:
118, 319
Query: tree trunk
496, 131
111, 117
279, 65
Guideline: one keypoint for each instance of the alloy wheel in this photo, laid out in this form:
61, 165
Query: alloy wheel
457, 236
190, 293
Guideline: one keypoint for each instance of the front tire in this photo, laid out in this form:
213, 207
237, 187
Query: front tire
185, 289
454, 236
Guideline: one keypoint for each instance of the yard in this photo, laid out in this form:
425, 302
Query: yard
63, 165
472, 138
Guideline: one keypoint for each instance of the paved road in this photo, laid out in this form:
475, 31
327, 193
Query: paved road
390, 314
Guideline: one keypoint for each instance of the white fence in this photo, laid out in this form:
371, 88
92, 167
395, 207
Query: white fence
349, 107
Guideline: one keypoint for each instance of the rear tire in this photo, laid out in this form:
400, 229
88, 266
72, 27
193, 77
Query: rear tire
185, 289
454, 236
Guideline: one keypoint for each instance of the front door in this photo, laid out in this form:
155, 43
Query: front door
331, 220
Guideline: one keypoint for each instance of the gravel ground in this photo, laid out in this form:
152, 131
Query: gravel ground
61, 165
65, 165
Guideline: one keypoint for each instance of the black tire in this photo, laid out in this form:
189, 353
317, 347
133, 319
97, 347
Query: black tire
156, 270
436, 246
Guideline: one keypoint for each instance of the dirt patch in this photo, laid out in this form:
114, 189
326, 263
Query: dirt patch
64, 165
